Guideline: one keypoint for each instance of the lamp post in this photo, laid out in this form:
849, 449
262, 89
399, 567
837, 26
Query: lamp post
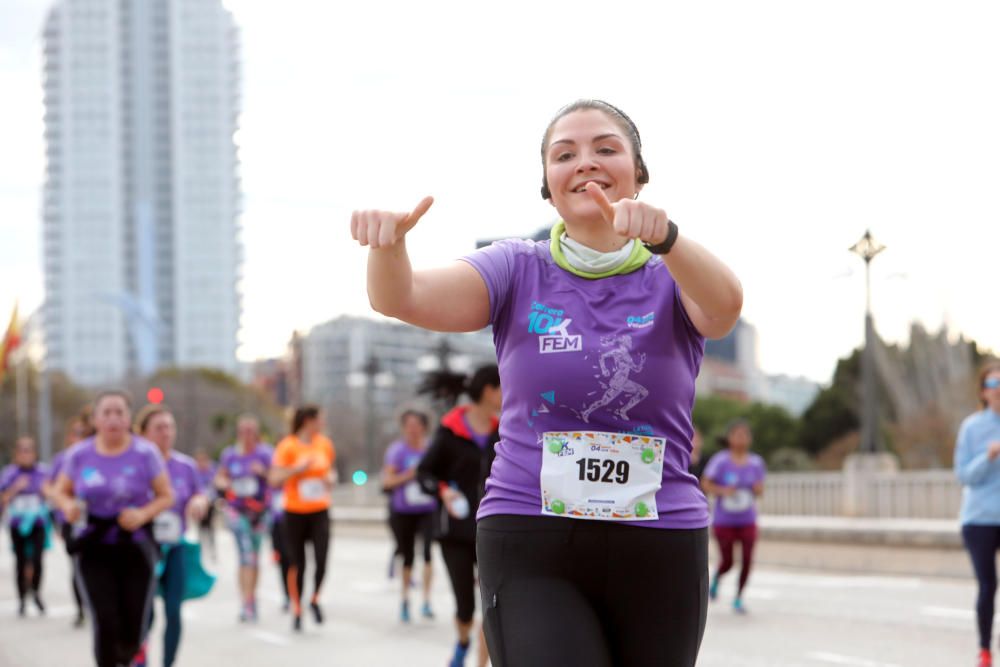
867, 248
370, 370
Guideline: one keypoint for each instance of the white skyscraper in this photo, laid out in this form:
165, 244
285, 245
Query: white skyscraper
142, 193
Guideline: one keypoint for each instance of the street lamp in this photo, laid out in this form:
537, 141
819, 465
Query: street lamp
371, 369
867, 248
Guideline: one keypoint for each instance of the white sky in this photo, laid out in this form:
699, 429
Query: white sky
775, 132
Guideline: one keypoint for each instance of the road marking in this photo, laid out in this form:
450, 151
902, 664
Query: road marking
270, 638
948, 612
835, 659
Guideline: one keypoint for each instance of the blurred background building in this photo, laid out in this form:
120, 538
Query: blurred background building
142, 194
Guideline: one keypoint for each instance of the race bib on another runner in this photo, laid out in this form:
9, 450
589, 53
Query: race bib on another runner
30, 503
312, 488
740, 501
601, 476
167, 527
246, 487
414, 495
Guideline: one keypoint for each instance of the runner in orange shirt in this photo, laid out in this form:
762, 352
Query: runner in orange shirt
303, 464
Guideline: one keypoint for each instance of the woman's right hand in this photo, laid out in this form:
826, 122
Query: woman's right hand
381, 229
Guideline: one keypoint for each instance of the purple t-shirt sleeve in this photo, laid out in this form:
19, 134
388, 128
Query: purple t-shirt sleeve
152, 462
495, 263
712, 467
392, 456
6, 476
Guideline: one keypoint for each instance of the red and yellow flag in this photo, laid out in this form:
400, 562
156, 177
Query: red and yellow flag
11, 341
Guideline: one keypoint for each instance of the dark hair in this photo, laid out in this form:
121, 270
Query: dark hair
421, 416
147, 413
448, 386
108, 393
302, 415
985, 371
616, 115
731, 426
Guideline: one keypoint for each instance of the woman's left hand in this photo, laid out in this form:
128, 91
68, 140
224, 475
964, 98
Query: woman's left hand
630, 218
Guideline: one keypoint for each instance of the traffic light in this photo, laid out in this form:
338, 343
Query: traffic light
360, 477
154, 395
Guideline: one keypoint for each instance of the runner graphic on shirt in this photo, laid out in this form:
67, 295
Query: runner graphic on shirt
622, 364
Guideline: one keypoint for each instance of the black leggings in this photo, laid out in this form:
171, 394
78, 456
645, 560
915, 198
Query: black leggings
405, 528
460, 560
118, 582
982, 542
629, 595
28, 553
301, 528
279, 549
67, 534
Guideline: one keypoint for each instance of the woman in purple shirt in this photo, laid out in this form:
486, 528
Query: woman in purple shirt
120, 480
599, 334
21, 492
410, 509
735, 476
157, 424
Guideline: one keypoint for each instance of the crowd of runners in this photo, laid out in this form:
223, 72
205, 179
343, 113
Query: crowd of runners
541, 496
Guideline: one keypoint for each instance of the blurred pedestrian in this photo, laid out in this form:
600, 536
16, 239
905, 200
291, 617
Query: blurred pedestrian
977, 465
735, 476
303, 466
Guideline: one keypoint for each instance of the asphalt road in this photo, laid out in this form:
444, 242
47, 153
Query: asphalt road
797, 617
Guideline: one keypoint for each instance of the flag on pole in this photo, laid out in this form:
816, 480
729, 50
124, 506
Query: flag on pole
11, 341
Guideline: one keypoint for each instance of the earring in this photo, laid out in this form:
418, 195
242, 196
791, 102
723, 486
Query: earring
635, 196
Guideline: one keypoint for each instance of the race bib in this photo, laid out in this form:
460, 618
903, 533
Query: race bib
167, 527
30, 503
414, 495
601, 476
246, 487
740, 501
312, 488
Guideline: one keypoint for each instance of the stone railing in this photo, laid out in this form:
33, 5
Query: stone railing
932, 494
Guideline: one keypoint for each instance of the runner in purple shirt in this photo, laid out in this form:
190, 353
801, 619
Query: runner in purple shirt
156, 423
121, 480
22, 494
242, 480
410, 508
735, 476
599, 334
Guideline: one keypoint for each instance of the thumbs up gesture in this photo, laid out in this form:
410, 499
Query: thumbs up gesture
381, 229
630, 218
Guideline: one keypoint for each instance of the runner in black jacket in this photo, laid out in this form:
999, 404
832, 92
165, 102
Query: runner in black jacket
454, 469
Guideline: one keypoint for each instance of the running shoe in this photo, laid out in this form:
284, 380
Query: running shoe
404, 612
38, 602
316, 612
458, 660
21, 608
297, 623
713, 588
738, 606
426, 611
985, 659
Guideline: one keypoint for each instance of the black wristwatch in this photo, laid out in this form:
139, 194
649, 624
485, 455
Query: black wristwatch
668, 243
